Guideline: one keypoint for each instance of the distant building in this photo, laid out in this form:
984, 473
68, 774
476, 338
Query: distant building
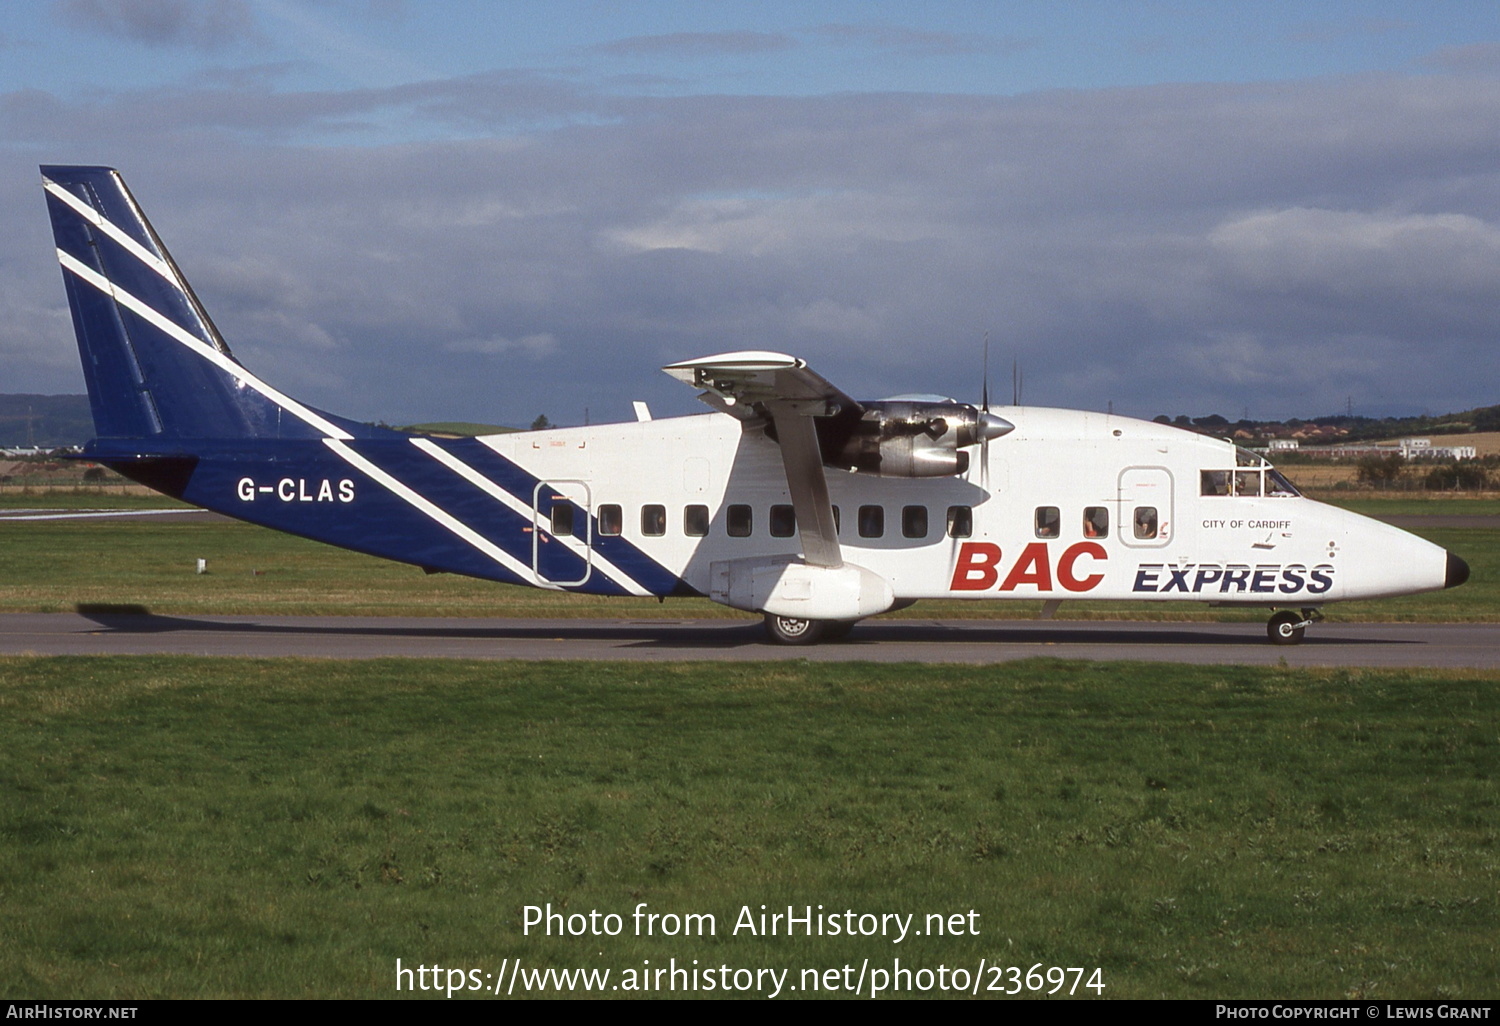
1406, 448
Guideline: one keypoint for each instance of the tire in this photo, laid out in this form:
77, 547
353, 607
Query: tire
790, 630
1283, 629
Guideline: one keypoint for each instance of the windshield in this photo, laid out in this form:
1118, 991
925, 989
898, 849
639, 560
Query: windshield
1251, 476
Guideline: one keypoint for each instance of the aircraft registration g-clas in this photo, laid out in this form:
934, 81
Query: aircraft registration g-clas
789, 499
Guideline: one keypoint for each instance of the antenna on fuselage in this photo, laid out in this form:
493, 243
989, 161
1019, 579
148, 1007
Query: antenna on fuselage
984, 408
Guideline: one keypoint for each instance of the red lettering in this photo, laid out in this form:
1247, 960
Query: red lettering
975, 570
1032, 568
1065, 566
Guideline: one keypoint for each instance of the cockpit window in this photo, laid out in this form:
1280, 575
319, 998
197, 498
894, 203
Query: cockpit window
1278, 487
1254, 477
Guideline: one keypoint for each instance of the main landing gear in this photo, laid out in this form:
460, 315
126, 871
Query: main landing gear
790, 630
1287, 627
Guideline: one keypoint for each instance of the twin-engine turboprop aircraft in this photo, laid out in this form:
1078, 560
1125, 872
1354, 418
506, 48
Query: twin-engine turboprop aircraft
790, 499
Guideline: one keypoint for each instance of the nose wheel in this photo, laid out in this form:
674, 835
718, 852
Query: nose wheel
1287, 626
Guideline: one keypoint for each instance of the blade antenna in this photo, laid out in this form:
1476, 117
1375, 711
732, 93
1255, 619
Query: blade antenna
984, 444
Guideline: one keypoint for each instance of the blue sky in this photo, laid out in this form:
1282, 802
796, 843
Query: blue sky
765, 48
485, 211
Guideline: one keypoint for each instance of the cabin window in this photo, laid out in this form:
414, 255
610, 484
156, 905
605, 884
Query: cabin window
1247, 482
695, 521
1145, 522
1213, 482
611, 519
1096, 522
1048, 522
914, 521
872, 521
960, 521
783, 521
653, 521
562, 518
738, 521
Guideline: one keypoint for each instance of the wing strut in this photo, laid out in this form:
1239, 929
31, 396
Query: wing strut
803, 462
783, 388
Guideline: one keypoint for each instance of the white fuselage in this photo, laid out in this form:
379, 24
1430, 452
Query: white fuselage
1070, 505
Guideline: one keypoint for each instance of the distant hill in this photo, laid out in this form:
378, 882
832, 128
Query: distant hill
1342, 427
45, 420
457, 427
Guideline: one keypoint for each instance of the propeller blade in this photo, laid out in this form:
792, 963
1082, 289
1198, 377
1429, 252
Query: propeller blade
985, 396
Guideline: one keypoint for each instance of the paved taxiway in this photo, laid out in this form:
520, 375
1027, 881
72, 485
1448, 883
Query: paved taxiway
923, 641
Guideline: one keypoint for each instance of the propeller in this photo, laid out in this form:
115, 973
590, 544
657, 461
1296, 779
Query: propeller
990, 425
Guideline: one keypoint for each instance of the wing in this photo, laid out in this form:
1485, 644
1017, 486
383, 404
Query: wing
749, 385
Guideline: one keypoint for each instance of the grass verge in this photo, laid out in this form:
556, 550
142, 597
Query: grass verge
179, 827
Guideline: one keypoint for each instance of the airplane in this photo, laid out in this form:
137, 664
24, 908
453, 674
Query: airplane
789, 499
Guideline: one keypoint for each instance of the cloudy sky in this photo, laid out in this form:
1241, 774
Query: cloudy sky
489, 210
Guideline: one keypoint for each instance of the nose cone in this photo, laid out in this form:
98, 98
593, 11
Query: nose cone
1458, 572
992, 427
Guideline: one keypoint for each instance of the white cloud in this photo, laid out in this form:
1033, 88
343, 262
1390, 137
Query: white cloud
536, 346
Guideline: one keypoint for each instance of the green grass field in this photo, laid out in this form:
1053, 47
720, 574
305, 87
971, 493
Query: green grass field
179, 827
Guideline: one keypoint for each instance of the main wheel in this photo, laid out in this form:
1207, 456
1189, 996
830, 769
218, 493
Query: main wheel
1284, 628
791, 630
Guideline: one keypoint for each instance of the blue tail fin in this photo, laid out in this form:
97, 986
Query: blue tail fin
156, 367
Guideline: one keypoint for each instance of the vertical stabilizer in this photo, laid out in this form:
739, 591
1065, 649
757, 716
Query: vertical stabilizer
156, 366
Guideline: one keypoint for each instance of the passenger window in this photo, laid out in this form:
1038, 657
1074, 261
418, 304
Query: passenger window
872, 521
562, 518
1096, 522
960, 521
695, 521
738, 521
1214, 482
1048, 522
611, 519
914, 521
783, 521
1145, 522
653, 521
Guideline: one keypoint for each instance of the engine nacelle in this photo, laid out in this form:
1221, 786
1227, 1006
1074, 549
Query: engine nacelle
900, 438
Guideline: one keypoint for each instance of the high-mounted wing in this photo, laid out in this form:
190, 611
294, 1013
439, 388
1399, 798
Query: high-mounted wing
782, 388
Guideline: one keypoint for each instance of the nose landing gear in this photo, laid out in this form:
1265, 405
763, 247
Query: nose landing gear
1287, 627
